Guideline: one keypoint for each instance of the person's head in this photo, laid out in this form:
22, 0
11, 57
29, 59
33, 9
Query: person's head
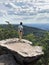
20, 23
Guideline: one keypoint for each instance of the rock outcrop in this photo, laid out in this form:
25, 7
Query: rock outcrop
7, 59
23, 52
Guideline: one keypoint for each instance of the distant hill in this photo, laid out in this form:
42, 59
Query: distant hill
44, 26
27, 30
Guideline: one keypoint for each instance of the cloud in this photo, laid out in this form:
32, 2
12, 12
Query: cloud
24, 10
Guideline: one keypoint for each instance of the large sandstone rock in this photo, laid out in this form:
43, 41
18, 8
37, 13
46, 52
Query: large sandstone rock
23, 52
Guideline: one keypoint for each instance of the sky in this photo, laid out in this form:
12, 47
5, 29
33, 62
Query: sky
26, 11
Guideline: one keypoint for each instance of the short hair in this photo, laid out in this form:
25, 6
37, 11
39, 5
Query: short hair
20, 23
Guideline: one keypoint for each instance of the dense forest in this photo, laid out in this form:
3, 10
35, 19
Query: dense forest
36, 36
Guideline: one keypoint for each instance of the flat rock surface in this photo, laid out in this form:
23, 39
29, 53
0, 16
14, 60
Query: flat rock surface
23, 47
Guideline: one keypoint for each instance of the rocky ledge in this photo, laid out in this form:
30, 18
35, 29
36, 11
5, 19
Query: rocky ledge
22, 51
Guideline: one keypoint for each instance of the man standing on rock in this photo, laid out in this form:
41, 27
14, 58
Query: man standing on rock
20, 31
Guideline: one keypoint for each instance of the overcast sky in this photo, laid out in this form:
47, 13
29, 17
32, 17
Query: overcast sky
27, 11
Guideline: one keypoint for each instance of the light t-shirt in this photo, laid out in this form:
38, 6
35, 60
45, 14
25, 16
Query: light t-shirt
20, 28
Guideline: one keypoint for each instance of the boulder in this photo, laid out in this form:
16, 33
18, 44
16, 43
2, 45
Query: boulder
22, 51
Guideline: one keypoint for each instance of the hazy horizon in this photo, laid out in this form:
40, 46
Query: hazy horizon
37, 25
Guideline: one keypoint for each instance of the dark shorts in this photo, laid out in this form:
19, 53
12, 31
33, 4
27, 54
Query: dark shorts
20, 31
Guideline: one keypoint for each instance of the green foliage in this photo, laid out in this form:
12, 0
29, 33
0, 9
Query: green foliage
30, 37
5, 33
8, 32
